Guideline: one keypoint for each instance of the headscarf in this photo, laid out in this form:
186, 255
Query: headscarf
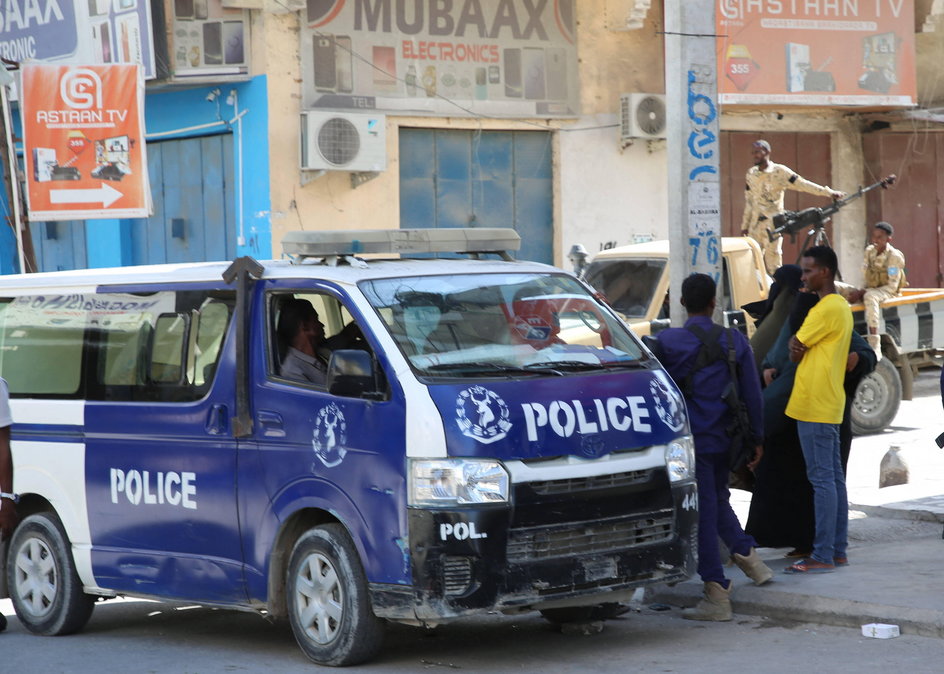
776, 308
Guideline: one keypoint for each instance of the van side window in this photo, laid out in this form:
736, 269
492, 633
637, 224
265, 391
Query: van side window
41, 342
165, 353
339, 332
160, 346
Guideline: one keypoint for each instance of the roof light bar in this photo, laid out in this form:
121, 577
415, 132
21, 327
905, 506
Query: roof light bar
358, 241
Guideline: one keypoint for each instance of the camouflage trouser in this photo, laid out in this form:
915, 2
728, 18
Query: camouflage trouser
773, 250
872, 301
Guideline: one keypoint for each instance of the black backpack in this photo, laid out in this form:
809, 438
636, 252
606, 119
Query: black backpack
741, 449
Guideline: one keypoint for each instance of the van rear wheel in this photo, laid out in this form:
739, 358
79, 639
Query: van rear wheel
42, 581
876, 399
329, 607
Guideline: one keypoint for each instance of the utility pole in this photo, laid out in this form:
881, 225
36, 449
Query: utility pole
693, 145
26, 255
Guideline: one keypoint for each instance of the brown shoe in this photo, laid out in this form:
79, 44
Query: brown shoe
810, 565
796, 553
715, 604
753, 567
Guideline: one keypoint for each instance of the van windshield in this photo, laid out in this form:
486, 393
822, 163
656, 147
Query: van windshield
628, 285
501, 325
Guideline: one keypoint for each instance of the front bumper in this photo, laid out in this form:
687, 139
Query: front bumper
548, 549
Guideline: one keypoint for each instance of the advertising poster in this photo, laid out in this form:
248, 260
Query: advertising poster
507, 57
209, 39
84, 142
832, 53
78, 31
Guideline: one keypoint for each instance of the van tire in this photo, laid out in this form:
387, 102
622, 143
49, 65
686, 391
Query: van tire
877, 399
328, 603
42, 581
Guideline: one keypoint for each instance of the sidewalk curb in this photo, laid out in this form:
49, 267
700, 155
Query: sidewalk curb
898, 513
770, 603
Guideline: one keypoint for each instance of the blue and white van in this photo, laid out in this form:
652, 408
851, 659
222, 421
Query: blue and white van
488, 436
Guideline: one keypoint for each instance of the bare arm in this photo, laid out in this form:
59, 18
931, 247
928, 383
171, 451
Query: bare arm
7, 507
797, 349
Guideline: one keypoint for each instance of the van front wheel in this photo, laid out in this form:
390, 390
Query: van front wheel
329, 608
43, 584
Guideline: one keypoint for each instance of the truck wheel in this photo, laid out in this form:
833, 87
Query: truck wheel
43, 584
876, 399
329, 607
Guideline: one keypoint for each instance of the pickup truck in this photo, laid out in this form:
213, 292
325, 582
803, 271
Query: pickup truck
635, 281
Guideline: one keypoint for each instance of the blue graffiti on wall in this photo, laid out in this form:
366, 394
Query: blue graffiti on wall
702, 145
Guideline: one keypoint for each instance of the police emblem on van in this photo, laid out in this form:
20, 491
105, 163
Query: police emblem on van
329, 435
482, 415
670, 407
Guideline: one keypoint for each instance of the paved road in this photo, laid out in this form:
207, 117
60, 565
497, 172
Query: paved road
142, 638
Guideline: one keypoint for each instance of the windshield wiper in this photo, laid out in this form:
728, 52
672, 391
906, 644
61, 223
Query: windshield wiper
478, 367
583, 366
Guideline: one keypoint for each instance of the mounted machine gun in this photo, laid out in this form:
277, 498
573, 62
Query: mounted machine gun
814, 219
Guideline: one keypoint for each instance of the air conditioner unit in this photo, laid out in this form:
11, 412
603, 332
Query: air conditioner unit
642, 116
343, 141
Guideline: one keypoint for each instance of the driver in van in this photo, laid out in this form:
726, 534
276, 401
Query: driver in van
302, 333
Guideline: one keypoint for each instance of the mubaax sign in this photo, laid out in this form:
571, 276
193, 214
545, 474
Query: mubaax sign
84, 141
816, 52
467, 57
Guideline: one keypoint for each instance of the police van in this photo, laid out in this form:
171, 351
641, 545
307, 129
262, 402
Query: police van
486, 435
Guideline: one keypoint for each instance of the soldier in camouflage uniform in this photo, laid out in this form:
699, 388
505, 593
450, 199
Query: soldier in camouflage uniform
766, 183
884, 270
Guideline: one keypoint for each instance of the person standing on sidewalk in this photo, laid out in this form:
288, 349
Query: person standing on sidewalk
678, 349
821, 349
766, 184
7, 498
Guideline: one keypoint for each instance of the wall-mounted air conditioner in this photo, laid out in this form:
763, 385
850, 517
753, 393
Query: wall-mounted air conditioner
642, 116
343, 141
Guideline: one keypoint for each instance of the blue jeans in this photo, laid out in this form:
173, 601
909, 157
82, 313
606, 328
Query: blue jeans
715, 517
820, 444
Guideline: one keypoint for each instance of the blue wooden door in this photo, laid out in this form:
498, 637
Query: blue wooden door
59, 245
480, 179
194, 203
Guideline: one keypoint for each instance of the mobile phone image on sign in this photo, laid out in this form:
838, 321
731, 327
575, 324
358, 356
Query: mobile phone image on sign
385, 66
481, 83
101, 41
199, 9
183, 9
344, 55
213, 43
233, 53
326, 73
533, 68
512, 63
556, 68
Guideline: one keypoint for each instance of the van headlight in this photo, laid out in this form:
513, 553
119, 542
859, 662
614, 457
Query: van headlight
452, 482
680, 459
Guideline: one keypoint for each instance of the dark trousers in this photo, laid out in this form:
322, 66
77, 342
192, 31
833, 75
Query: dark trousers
715, 517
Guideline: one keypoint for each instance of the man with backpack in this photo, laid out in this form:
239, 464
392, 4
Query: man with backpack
708, 362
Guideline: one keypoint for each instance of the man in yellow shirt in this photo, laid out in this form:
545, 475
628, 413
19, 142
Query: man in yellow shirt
821, 347
765, 183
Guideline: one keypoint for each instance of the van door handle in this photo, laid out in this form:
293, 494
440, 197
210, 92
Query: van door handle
271, 423
216, 420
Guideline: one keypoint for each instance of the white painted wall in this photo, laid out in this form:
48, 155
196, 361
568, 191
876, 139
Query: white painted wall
607, 196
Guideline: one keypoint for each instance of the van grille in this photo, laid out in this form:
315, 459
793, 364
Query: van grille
596, 482
588, 538
456, 575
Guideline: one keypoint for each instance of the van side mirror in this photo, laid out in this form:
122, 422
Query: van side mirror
351, 373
